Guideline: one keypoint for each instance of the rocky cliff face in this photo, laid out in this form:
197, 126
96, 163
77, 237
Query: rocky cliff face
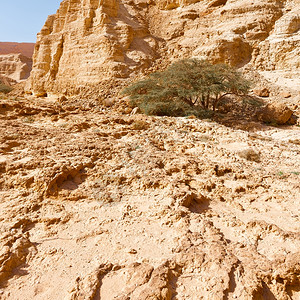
15, 67
281, 50
87, 44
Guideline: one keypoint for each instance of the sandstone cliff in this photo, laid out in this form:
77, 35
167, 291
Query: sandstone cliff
15, 67
88, 43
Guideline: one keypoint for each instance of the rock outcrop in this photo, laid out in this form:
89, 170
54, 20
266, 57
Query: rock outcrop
281, 50
88, 45
15, 67
7, 81
276, 113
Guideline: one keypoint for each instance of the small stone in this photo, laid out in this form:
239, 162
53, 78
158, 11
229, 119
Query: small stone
187, 199
127, 110
135, 111
108, 102
250, 154
285, 94
62, 99
262, 92
132, 251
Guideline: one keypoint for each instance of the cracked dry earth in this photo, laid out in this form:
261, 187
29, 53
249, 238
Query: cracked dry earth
95, 204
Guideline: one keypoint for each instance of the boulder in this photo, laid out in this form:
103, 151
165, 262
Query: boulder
277, 113
262, 92
292, 120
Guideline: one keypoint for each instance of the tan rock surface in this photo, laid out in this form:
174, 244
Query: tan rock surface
15, 67
95, 204
277, 113
88, 46
7, 81
282, 46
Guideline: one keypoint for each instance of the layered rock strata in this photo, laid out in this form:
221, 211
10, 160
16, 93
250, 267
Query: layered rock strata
15, 67
87, 44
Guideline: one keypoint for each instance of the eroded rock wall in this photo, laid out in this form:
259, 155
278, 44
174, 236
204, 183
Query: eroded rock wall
88, 43
15, 67
281, 50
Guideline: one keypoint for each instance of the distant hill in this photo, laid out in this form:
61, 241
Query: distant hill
10, 47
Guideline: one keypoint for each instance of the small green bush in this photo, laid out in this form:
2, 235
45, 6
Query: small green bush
4, 88
254, 102
186, 87
164, 108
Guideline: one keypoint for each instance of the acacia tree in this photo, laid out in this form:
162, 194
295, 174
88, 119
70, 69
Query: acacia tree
225, 81
192, 81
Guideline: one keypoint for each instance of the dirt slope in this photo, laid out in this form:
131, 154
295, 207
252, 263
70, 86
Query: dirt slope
97, 204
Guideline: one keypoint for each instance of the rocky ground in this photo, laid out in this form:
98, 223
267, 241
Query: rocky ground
99, 204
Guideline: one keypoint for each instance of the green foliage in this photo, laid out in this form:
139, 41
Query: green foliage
165, 108
254, 102
280, 173
186, 87
4, 88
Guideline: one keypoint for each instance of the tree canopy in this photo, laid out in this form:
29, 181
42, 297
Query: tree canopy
192, 82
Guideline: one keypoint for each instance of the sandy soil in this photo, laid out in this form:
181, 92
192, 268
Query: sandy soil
96, 204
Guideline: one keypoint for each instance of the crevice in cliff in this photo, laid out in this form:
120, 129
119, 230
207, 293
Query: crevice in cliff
89, 20
54, 67
293, 291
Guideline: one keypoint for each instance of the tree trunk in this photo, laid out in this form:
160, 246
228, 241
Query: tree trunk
207, 102
215, 104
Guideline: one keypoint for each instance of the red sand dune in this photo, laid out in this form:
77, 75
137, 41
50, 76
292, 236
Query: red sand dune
11, 47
